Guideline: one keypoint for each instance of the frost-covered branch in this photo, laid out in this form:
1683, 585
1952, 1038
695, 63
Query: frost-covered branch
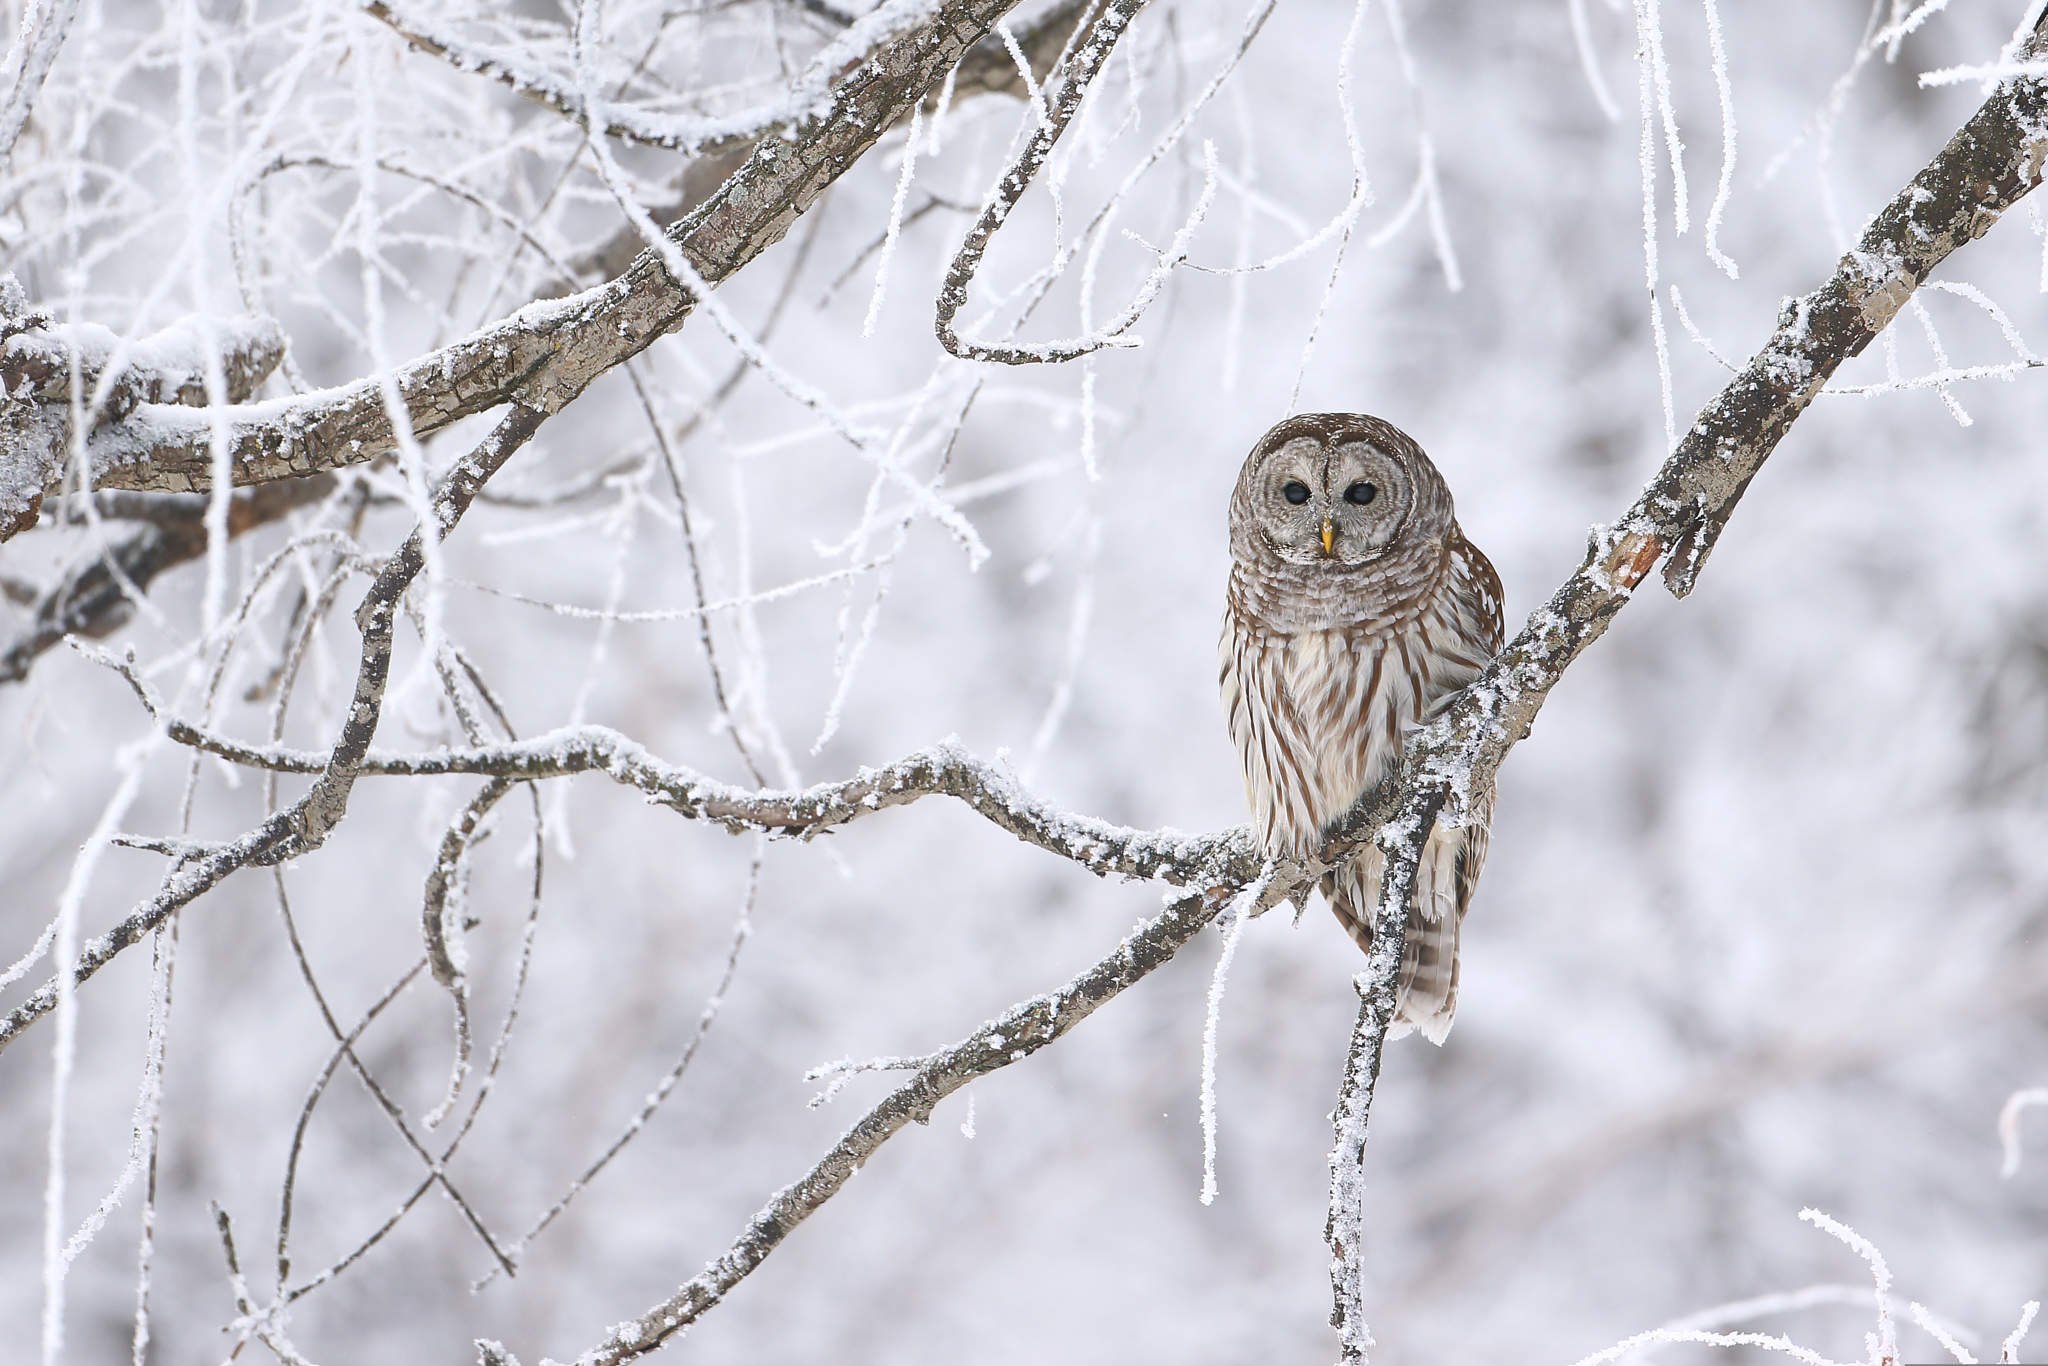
1986, 168
944, 770
547, 352
50, 373
1011, 1037
1226, 860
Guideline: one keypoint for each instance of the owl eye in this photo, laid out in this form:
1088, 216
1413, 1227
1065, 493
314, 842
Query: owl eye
1294, 491
1358, 495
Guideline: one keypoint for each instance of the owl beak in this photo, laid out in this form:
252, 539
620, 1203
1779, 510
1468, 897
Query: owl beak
1329, 537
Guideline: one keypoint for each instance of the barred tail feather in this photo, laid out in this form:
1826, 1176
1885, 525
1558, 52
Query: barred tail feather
1426, 997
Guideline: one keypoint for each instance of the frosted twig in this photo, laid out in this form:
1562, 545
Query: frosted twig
2009, 1126
1937, 1330
1880, 1275
1648, 58
836, 1075
43, 26
1657, 75
265, 1326
1361, 190
143, 1124
1589, 62
64, 1050
1212, 1024
145, 1249
1768, 1342
441, 912
1993, 71
1895, 33
1093, 51
1964, 290
2009, 1350
1718, 49
895, 228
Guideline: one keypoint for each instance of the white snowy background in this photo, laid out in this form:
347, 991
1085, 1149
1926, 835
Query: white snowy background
1763, 924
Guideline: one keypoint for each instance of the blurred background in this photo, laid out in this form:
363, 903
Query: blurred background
1763, 923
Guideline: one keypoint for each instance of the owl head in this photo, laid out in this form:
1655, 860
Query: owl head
1329, 492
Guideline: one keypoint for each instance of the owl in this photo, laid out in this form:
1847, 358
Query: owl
1355, 609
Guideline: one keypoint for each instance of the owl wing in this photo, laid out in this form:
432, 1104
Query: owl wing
1271, 739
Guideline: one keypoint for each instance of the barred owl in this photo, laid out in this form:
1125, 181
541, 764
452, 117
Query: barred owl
1355, 608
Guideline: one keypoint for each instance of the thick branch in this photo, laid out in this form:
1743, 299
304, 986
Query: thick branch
48, 368
550, 351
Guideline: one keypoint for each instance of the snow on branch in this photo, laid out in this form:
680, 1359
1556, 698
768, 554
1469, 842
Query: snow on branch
1990, 163
944, 770
547, 352
1228, 860
52, 374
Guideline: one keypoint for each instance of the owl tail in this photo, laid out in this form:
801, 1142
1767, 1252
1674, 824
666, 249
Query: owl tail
1426, 994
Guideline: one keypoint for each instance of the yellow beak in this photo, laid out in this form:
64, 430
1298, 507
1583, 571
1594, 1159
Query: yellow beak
1329, 537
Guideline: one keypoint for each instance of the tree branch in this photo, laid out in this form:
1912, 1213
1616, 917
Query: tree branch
1986, 168
49, 372
548, 351
1226, 859
987, 69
